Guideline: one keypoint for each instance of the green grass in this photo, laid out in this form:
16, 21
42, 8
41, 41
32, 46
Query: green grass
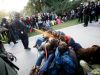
63, 25
66, 24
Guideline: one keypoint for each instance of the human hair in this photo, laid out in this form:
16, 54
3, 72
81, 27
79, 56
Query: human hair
63, 47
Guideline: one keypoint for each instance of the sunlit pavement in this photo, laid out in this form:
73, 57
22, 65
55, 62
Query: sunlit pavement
86, 36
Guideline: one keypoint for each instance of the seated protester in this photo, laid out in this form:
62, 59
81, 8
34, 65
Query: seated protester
48, 24
38, 70
70, 41
53, 22
60, 33
90, 54
42, 39
48, 54
39, 41
64, 63
40, 24
58, 21
53, 43
47, 61
56, 34
83, 53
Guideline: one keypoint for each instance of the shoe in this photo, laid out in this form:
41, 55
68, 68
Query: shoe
85, 25
90, 22
28, 48
34, 46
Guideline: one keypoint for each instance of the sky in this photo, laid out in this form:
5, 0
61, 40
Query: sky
12, 5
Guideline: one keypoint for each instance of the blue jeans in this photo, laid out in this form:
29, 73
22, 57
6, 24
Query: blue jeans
39, 41
41, 57
64, 62
47, 63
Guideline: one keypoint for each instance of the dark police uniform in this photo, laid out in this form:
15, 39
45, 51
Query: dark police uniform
21, 28
86, 16
97, 10
9, 32
81, 14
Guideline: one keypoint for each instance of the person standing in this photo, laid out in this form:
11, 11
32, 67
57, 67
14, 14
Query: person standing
11, 35
86, 16
4, 23
21, 28
97, 9
80, 14
92, 13
9, 32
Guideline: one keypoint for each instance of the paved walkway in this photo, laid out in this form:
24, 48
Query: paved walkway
86, 36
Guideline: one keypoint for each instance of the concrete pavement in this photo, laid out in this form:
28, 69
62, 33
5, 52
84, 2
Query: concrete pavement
86, 36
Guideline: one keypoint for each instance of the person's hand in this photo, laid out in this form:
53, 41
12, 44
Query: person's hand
34, 71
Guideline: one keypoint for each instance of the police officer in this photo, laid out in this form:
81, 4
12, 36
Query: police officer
81, 13
92, 12
21, 28
86, 16
97, 12
9, 32
4, 23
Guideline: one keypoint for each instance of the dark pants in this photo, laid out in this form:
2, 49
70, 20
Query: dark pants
96, 17
16, 34
11, 38
86, 19
92, 18
81, 18
24, 39
40, 25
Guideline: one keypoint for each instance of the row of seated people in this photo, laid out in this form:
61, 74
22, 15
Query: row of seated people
62, 55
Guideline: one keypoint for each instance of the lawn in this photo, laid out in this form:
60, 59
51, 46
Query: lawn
66, 24
63, 25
